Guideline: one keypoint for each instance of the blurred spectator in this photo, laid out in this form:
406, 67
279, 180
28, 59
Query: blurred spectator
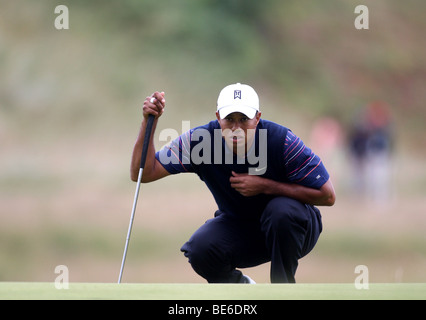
326, 139
370, 143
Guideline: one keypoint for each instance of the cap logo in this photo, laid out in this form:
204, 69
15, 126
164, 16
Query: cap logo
237, 94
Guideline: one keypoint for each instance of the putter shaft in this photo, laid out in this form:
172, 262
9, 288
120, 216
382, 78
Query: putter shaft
138, 185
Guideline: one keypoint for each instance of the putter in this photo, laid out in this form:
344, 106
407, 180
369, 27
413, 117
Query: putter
148, 130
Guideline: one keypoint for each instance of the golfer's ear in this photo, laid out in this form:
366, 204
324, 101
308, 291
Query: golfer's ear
217, 116
258, 115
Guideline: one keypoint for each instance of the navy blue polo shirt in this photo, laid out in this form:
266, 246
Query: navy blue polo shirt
276, 154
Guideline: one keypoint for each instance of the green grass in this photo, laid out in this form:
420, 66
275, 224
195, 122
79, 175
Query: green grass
47, 290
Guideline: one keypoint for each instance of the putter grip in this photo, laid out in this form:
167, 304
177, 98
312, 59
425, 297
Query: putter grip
146, 139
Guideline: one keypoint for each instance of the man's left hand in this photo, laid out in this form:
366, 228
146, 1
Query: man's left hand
247, 185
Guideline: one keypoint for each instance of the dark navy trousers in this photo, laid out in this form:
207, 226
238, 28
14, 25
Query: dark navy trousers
286, 231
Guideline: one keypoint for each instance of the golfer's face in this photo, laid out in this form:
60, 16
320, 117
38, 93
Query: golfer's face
238, 130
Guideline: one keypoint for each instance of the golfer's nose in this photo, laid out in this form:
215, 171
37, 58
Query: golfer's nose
236, 126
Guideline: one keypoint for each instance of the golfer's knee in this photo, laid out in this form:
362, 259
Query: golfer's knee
200, 258
281, 212
195, 250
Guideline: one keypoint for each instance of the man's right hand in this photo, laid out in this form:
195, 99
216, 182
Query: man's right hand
156, 107
153, 169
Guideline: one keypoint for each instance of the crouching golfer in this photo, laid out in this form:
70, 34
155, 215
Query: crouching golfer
264, 179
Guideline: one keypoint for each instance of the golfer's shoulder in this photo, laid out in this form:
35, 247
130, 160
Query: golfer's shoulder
210, 127
276, 132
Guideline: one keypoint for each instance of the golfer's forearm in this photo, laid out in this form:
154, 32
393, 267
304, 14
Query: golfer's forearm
320, 197
137, 152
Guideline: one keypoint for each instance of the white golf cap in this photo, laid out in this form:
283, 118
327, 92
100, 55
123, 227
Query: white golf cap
238, 98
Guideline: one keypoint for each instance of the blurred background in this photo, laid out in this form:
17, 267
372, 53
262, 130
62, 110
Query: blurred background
70, 111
